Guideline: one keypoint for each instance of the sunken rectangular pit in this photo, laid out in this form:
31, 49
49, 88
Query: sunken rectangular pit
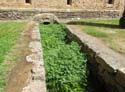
65, 65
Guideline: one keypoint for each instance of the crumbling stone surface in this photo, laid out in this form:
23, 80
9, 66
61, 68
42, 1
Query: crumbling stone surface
108, 66
36, 80
28, 14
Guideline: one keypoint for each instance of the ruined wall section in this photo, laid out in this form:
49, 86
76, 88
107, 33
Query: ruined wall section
62, 4
9, 14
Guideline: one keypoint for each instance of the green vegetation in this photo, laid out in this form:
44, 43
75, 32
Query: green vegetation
9, 32
65, 65
102, 21
106, 30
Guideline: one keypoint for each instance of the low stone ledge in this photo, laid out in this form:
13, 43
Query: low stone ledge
27, 14
107, 65
36, 81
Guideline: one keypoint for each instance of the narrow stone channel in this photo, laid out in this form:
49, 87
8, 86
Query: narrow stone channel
65, 64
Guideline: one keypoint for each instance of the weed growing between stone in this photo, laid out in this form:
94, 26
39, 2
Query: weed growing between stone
65, 65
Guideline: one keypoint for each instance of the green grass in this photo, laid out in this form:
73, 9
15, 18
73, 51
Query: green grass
65, 65
94, 32
9, 33
106, 30
104, 21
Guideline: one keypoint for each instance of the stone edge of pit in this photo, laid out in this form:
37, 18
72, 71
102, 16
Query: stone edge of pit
106, 64
36, 81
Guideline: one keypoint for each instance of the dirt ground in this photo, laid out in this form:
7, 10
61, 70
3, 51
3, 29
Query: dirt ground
18, 73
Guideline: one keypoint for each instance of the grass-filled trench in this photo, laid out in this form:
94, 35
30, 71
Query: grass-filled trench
65, 65
9, 33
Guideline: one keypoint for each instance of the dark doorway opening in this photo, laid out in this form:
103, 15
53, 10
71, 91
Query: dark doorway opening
28, 1
69, 2
110, 1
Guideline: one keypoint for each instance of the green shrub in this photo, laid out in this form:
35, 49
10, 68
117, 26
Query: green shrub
65, 65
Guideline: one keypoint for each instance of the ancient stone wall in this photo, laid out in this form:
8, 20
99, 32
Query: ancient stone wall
61, 14
63, 4
36, 80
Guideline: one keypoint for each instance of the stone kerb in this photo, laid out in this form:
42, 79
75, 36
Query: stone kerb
36, 81
107, 65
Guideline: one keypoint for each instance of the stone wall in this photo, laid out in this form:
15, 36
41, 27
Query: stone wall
6, 14
106, 65
62, 4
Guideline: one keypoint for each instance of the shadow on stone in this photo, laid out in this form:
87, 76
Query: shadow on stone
122, 21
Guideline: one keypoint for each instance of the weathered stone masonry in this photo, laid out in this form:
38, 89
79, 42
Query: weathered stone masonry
26, 14
36, 80
64, 4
